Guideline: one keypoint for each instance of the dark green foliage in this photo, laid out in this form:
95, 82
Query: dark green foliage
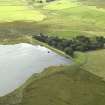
38, 1
49, 0
69, 51
79, 43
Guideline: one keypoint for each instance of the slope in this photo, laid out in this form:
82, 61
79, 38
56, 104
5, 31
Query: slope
17, 10
64, 18
96, 63
67, 18
98, 3
67, 85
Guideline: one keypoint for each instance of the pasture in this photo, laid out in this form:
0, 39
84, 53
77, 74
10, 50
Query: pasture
17, 10
75, 84
96, 63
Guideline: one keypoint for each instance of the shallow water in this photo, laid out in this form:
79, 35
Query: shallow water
18, 62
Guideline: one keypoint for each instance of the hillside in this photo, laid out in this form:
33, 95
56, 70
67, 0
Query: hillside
68, 86
65, 18
69, 18
98, 3
11, 2
17, 10
95, 63
64, 85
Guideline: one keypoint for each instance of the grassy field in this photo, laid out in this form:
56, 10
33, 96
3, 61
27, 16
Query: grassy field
72, 87
16, 10
98, 3
65, 18
69, 18
68, 85
96, 63
59, 5
19, 13
15, 39
11, 2
79, 84
74, 84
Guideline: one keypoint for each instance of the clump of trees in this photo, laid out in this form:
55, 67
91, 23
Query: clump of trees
38, 1
69, 46
49, 0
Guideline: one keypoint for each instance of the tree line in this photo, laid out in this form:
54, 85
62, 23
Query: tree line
69, 46
38, 1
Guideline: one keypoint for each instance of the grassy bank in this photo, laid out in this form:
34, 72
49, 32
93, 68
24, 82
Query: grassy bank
60, 85
71, 85
15, 39
96, 63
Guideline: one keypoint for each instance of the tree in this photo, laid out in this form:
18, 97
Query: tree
59, 46
66, 43
49, 0
69, 51
79, 43
100, 39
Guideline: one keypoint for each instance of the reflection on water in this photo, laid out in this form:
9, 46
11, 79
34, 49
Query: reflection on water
18, 62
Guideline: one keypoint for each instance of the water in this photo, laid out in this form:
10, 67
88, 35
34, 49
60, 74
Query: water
18, 62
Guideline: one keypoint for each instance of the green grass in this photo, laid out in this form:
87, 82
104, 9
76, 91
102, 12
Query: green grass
17, 10
19, 13
12, 2
16, 39
62, 4
93, 61
68, 18
98, 3
80, 58
64, 84
64, 18
76, 21
79, 84
96, 63
67, 85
